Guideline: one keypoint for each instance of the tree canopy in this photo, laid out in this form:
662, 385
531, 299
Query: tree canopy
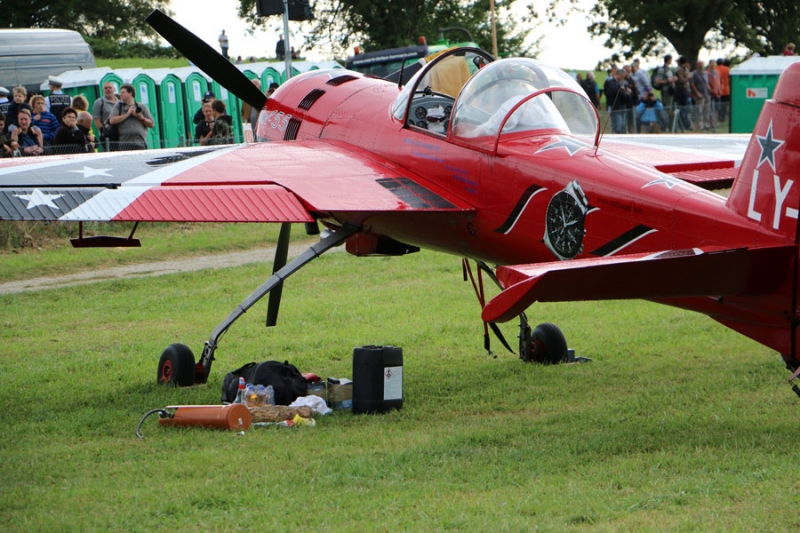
644, 28
342, 24
109, 26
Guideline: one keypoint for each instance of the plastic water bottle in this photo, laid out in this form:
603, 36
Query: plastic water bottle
270, 395
240, 394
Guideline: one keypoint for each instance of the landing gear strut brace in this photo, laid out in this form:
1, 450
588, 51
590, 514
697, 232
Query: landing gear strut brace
332, 240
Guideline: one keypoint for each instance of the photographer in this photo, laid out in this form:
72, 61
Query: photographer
132, 119
649, 111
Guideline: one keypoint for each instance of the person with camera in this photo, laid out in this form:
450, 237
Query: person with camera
132, 120
649, 110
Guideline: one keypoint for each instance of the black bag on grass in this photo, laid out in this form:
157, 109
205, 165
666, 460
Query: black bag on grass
287, 382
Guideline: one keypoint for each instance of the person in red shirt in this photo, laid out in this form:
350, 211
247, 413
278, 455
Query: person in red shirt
724, 71
714, 91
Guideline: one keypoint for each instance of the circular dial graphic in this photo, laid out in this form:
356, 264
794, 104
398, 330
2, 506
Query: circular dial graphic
565, 228
421, 112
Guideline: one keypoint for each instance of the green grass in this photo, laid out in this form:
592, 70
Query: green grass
47, 251
678, 424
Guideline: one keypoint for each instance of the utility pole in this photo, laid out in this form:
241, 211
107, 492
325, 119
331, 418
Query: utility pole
287, 58
494, 29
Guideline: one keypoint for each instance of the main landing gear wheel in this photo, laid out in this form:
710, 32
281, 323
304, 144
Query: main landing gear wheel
177, 366
546, 344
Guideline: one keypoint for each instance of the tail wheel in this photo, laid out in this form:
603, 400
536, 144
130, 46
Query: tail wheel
546, 344
177, 366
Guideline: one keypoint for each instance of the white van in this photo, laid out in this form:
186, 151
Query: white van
28, 56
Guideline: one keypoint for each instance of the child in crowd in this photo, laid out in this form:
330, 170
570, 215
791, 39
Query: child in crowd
44, 120
19, 95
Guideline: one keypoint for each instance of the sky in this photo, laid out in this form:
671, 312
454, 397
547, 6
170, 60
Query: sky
569, 47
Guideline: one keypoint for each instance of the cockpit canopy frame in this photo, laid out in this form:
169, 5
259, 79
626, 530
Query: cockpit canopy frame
508, 98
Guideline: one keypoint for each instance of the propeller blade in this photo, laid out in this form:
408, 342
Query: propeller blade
207, 59
281, 254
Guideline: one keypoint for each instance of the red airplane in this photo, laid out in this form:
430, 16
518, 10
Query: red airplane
495, 161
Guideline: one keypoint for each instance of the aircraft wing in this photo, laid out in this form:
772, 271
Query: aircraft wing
267, 182
710, 161
669, 274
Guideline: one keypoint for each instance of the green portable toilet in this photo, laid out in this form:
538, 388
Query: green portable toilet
232, 108
324, 65
752, 83
169, 89
281, 68
146, 94
270, 75
252, 70
195, 85
114, 78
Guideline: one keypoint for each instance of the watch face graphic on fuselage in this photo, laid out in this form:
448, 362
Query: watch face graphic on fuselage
564, 222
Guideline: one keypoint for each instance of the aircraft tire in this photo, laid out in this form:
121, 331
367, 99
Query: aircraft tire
548, 344
177, 366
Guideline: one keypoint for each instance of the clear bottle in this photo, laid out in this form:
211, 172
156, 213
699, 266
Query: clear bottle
240, 394
270, 395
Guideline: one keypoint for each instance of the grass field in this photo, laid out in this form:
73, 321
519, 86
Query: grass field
677, 424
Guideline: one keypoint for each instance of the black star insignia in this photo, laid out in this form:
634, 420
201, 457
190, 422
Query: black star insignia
768, 147
567, 143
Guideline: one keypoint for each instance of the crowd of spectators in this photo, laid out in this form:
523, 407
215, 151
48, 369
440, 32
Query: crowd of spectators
57, 124
671, 97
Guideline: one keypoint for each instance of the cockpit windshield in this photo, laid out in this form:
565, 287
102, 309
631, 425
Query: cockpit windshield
495, 90
487, 91
433, 90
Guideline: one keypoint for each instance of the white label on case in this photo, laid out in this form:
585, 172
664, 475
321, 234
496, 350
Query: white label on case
393, 383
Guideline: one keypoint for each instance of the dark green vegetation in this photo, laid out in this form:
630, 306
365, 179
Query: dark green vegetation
339, 24
677, 425
644, 28
113, 28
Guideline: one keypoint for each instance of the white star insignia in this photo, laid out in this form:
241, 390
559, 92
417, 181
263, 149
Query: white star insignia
570, 145
666, 180
768, 147
89, 172
37, 198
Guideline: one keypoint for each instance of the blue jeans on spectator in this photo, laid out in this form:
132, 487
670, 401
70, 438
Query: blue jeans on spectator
682, 101
618, 119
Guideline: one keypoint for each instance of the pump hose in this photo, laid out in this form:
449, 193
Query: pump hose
162, 412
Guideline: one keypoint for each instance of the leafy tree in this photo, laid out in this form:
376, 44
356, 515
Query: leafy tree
340, 24
110, 26
765, 27
636, 27
644, 28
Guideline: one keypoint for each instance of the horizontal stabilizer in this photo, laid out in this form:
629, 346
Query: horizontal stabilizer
670, 274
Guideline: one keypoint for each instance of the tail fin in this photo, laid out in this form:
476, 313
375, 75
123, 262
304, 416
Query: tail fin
766, 190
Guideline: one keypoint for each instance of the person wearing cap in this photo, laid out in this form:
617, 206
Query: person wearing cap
57, 101
208, 98
4, 101
272, 88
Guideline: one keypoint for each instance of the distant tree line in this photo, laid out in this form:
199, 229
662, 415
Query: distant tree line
113, 28
644, 28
